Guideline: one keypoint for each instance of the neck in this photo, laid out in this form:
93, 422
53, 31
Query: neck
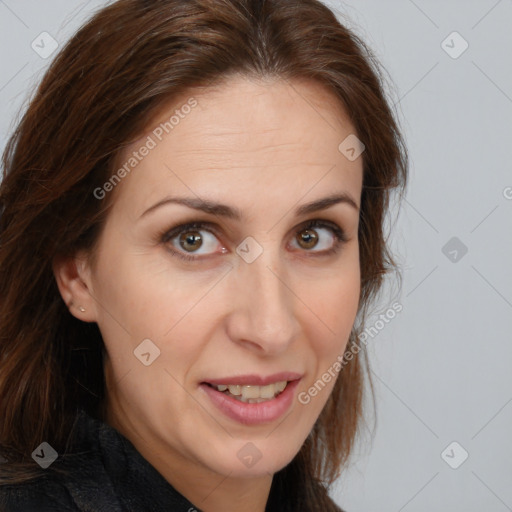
208, 490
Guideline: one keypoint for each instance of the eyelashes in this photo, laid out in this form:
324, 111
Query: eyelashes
167, 238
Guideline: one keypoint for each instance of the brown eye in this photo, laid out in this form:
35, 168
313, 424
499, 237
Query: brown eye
319, 237
190, 240
307, 238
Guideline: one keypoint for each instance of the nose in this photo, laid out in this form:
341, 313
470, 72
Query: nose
263, 316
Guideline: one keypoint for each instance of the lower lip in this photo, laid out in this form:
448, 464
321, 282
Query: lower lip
252, 414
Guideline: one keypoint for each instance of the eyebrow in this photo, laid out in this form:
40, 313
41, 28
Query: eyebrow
230, 212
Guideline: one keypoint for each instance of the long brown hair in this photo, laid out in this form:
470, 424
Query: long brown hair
96, 98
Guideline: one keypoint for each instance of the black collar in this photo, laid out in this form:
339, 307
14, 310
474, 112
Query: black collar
106, 472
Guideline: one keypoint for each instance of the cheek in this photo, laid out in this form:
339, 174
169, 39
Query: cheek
143, 290
142, 298
335, 304
334, 300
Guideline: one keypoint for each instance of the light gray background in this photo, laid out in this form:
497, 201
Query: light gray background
442, 366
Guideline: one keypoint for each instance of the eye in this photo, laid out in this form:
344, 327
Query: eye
190, 240
325, 237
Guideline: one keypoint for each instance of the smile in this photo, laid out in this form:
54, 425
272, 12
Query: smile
252, 399
252, 394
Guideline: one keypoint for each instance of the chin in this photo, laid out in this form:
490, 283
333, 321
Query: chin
254, 459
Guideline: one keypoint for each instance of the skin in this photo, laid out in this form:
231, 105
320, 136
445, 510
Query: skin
264, 147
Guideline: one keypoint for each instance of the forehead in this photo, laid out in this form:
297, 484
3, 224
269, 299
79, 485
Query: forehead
243, 136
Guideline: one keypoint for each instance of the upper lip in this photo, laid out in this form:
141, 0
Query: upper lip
254, 380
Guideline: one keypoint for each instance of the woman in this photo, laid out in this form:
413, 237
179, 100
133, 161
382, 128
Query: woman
192, 220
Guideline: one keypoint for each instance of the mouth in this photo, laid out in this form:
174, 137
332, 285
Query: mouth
251, 394
252, 399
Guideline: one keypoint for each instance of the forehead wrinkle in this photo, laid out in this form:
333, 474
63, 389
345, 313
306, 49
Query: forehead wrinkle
240, 149
253, 137
215, 132
234, 167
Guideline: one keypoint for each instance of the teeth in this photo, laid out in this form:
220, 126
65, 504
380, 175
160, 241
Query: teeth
268, 391
235, 390
258, 391
254, 394
280, 386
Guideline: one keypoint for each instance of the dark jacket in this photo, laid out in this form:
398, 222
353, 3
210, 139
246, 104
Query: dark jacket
104, 473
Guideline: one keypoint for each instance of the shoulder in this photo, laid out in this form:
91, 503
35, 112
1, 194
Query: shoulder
74, 482
103, 472
40, 495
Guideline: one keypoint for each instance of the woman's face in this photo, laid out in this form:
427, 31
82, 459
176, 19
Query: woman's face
249, 295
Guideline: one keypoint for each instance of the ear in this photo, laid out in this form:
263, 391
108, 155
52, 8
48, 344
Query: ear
73, 280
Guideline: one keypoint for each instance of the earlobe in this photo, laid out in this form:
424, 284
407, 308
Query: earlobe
72, 277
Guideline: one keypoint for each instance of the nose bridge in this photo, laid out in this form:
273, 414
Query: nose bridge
264, 302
